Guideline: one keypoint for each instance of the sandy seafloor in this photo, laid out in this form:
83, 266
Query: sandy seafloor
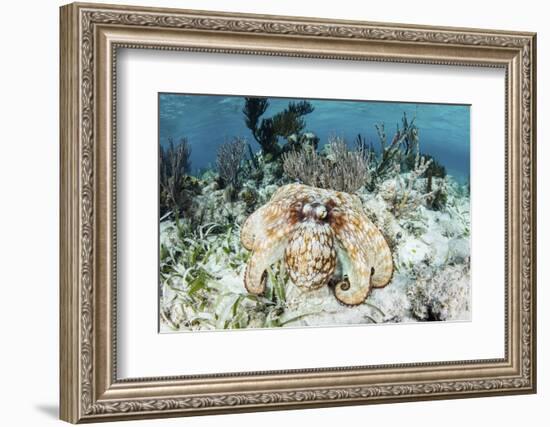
431, 281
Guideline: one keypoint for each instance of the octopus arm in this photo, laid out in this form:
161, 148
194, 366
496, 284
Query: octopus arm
372, 240
370, 260
355, 286
252, 227
255, 277
265, 233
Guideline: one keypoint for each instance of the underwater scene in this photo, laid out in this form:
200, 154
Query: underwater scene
280, 212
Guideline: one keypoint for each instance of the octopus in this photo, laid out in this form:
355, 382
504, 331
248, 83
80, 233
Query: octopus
317, 233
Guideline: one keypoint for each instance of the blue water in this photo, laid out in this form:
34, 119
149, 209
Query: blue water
209, 120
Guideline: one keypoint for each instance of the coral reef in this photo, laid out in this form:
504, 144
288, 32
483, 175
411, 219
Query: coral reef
346, 199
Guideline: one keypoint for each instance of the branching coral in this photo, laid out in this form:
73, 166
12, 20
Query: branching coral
400, 191
307, 140
409, 132
397, 167
306, 166
340, 169
438, 197
400, 151
290, 121
266, 131
348, 169
174, 164
262, 131
436, 169
229, 161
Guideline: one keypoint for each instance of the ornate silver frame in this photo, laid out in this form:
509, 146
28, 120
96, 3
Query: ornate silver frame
90, 36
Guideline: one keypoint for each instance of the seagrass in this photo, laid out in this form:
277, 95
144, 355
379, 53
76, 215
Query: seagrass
89, 39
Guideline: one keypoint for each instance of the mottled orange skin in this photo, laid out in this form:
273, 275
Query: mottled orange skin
311, 228
310, 255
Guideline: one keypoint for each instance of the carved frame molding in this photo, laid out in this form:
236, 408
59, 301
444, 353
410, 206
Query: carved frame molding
90, 37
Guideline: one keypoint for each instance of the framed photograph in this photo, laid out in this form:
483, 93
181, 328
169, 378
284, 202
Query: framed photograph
268, 212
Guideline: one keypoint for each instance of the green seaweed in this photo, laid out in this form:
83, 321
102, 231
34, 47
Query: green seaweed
193, 293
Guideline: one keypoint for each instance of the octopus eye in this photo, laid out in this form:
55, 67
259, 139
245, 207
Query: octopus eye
306, 210
372, 271
321, 212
